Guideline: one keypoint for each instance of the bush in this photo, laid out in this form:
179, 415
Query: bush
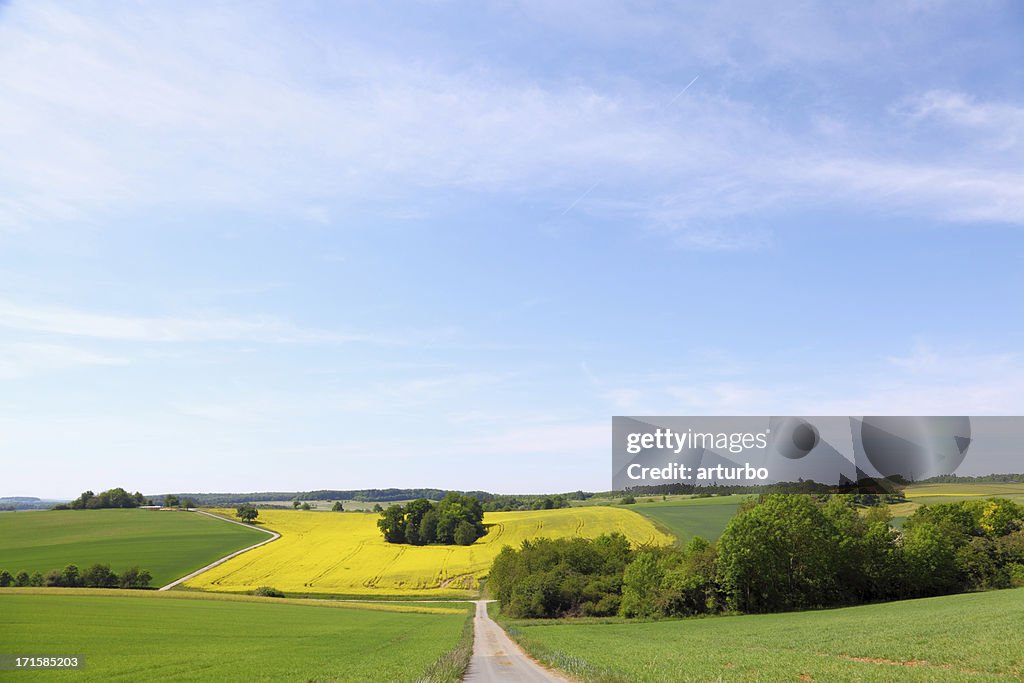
22, 579
268, 592
5, 578
627, 500
561, 577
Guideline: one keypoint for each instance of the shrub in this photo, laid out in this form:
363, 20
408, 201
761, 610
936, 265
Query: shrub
268, 592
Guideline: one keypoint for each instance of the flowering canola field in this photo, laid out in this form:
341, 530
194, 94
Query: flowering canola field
326, 552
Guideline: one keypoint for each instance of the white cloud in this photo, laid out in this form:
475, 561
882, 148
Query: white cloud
24, 359
925, 381
231, 108
1003, 122
76, 323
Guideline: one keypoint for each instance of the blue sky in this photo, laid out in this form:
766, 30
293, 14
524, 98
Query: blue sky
290, 246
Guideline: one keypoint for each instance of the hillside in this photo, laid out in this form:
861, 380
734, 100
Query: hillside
344, 553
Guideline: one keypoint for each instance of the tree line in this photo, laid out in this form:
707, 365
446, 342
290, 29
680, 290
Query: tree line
518, 503
986, 478
779, 553
120, 498
455, 519
96, 576
113, 498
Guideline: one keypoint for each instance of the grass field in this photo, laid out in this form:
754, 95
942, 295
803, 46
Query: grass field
973, 637
691, 517
343, 553
946, 493
168, 544
191, 637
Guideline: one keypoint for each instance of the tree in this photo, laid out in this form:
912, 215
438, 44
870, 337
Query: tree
99, 576
5, 578
134, 577
641, 582
627, 500
928, 559
338, 507
296, 503
22, 579
465, 533
428, 527
188, 503
82, 502
171, 500
392, 524
36, 579
306, 507
70, 577
247, 512
780, 554
377, 507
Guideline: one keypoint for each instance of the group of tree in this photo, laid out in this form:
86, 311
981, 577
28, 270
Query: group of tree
780, 553
96, 576
455, 519
113, 498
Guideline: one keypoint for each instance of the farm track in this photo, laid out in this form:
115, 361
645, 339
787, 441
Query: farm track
497, 658
273, 537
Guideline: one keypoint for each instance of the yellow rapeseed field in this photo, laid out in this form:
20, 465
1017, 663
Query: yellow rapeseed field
343, 552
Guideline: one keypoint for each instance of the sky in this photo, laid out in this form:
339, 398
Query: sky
292, 246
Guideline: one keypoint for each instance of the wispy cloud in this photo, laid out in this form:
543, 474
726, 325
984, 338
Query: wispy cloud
207, 328
140, 122
25, 359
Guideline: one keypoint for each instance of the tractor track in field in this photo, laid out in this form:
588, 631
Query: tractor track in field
345, 558
273, 537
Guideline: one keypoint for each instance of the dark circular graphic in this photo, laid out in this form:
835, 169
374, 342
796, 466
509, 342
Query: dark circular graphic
805, 437
794, 438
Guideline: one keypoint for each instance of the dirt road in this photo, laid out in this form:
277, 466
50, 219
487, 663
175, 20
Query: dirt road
497, 658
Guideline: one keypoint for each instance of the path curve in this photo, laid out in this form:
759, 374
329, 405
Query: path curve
273, 537
496, 657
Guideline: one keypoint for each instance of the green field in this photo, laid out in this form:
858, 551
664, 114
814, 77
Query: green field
168, 544
972, 637
948, 493
686, 518
188, 637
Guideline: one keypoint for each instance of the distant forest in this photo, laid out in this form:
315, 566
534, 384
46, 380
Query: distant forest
987, 478
490, 501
